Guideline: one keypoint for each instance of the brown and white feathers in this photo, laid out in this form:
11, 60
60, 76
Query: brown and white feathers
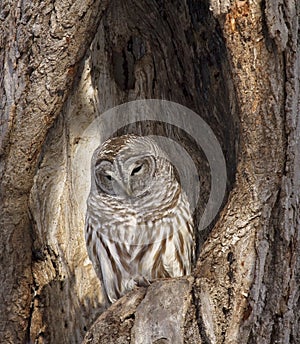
138, 222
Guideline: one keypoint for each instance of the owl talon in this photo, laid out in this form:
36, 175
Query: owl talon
141, 281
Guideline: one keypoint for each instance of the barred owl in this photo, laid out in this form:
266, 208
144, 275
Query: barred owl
138, 222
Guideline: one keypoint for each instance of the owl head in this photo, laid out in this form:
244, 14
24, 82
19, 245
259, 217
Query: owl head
130, 167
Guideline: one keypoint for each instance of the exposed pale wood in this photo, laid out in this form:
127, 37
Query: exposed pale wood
41, 44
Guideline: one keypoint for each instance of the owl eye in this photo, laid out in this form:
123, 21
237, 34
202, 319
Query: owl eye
103, 176
142, 166
136, 170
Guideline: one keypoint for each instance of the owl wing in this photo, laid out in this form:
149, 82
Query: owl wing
179, 254
111, 258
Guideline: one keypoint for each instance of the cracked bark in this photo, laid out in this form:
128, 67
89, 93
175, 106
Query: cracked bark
236, 63
34, 37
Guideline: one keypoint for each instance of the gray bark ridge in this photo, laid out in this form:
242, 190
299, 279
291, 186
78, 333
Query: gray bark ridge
160, 317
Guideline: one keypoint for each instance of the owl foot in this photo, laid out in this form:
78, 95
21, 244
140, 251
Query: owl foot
141, 281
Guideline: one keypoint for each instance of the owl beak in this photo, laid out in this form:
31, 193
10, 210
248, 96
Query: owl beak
126, 188
129, 192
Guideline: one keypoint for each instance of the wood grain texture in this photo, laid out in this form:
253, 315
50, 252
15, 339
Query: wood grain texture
41, 44
235, 63
158, 317
244, 265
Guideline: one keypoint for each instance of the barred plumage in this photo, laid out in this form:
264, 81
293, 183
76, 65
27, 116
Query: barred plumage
138, 222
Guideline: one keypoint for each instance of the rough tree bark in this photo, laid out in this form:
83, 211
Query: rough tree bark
41, 46
236, 63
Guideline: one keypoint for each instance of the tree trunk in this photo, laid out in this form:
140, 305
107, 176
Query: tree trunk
236, 64
41, 44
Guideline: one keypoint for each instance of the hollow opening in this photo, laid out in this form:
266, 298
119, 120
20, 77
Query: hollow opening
142, 50
177, 53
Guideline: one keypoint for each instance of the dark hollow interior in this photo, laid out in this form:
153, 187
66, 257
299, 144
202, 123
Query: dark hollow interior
185, 52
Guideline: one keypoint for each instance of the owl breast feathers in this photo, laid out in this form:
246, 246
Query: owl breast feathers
138, 222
